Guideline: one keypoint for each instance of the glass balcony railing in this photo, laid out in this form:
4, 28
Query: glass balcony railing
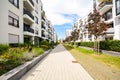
27, 28
28, 13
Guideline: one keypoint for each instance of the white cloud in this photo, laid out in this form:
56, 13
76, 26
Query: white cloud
55, 8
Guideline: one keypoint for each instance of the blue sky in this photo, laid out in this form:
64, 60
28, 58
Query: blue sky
64, 13
60, 29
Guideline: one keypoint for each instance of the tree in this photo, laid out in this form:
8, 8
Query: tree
68, 39
75, 34
96, 26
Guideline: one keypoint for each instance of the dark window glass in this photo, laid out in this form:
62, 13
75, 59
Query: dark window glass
15, 2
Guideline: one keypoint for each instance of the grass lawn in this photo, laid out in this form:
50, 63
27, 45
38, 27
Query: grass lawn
100, 67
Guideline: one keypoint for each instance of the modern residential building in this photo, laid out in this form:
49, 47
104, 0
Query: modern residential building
23, 21
110, 10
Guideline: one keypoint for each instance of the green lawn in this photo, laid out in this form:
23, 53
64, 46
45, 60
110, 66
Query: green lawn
107, 59
100, 67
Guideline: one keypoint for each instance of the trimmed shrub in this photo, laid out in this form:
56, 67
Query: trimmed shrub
87, 44
112, 45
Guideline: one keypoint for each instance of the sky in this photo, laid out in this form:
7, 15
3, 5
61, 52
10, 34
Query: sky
64, 13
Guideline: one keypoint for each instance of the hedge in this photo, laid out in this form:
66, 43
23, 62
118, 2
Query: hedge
112, 45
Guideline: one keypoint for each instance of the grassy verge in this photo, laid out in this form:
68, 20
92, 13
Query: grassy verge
100, 67
107, 59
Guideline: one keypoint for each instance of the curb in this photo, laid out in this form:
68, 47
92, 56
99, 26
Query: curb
18, 72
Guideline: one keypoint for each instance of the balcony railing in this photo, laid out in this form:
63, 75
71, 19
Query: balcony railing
108, 16
31, 2
28, 13
43, 27
36, 32
101, 5
27, 28
43, 35
43, 18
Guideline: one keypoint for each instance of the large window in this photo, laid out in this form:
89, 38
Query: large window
15, 2
13, 19
117, 7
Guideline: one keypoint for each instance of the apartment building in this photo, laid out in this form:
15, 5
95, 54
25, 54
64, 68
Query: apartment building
110, 9
23, 21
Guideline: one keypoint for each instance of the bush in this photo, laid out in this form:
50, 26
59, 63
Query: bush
45, 45
87, 44
3, 48
112, 45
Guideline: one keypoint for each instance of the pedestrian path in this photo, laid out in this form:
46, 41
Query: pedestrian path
58, 65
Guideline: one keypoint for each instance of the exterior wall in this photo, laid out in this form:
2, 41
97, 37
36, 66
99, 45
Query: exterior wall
117, 22
7, 29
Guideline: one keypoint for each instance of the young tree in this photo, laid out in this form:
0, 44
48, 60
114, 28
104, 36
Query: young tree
75, 34
96, 27
68, 39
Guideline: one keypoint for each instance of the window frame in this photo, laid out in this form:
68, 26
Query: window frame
12, 16
14, 3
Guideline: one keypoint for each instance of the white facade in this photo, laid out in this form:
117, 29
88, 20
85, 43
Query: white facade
21, 21
11, 32
111, 15
68, 33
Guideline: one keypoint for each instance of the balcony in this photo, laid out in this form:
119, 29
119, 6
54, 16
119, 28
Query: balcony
43, 35
28, 30
36, 32
105, 6
29, 4
109, 31
43, 18
28, 17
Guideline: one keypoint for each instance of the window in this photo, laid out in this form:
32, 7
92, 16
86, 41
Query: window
15, 2
36, 19
108, 15
13, 19
36, 1
117, 7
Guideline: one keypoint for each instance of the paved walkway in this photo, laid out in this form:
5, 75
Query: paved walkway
58, 65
